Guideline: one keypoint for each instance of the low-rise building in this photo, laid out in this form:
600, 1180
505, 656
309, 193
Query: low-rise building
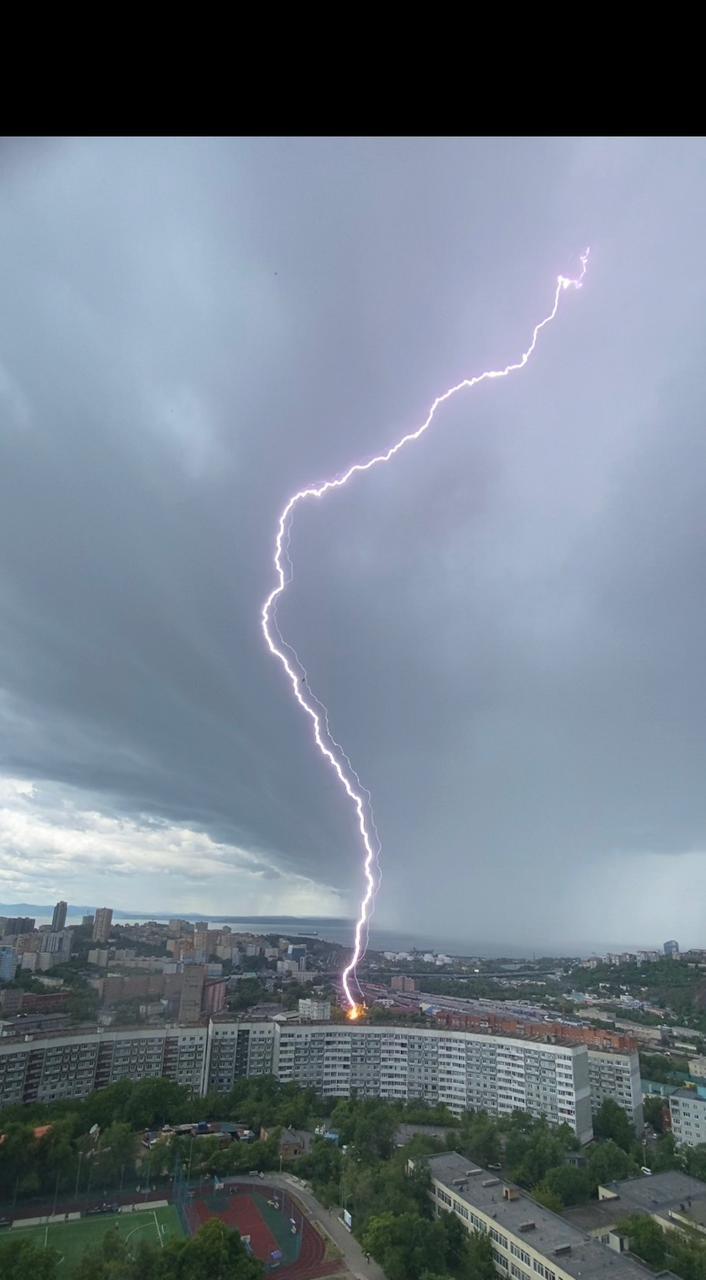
315, 1010
528, 1241
293, 1142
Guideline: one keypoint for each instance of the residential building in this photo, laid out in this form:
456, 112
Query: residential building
315, 1010
671, 948
465, 1070
57, 944
688, 1115
401, 982
8, 964
102, 924
46, 1068
616, 1075
58, 919
10, 925
528, 1241
192, 993
462, 1069
214, 997
292, 1143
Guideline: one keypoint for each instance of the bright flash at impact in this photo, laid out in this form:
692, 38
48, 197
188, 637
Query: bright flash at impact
314, 708
356, 1011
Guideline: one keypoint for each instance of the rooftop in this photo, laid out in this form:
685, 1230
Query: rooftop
658, 1191
587, 1258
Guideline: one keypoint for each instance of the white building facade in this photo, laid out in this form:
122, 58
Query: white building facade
465, 1070
616, 1075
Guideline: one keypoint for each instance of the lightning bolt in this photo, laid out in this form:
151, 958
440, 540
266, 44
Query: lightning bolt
310, 704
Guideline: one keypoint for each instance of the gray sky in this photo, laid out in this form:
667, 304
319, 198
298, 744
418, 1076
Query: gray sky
508, 624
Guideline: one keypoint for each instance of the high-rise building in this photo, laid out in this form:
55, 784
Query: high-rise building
102, 924
616, 1075
192, 993
464, 1070
671, 948
57, 943
8, 964
215, 996
87, 922
17, 924
201, 942
58, 919
688, 1117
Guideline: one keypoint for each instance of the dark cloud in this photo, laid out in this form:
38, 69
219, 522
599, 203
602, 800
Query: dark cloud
507, 625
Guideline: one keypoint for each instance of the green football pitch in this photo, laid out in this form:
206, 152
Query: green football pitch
72, 1239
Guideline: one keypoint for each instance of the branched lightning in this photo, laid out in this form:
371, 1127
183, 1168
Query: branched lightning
314, 708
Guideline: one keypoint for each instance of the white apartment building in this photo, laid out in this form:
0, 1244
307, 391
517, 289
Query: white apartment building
528, 1241
688, 1113
463, 1069
616, 1075
315, 1010
44, 1068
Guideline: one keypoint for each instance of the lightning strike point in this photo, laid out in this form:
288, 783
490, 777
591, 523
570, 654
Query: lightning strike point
332, 752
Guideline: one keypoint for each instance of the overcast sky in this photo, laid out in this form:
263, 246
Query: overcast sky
508, 623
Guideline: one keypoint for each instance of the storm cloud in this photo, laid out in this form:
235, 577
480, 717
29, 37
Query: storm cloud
508, 625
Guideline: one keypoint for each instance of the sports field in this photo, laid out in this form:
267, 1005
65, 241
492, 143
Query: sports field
72, 1239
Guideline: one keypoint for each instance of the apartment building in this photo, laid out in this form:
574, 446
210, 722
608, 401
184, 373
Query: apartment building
46, 1068
528, 1241
102, 924
462, 1069
315, 1010
616, 1075
688, 1115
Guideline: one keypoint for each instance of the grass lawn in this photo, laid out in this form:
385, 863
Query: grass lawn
72, 1239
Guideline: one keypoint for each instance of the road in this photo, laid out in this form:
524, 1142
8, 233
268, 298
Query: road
330, 1222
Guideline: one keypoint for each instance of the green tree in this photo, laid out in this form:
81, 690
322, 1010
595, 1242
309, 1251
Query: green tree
548, 1198
609, 1162
571, 1186
696, 1161
404, 1244
215, 1253
646, 1239
611, 1121
114, 1153
22, 1260
665, 1155
654, 1112
480, 1265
